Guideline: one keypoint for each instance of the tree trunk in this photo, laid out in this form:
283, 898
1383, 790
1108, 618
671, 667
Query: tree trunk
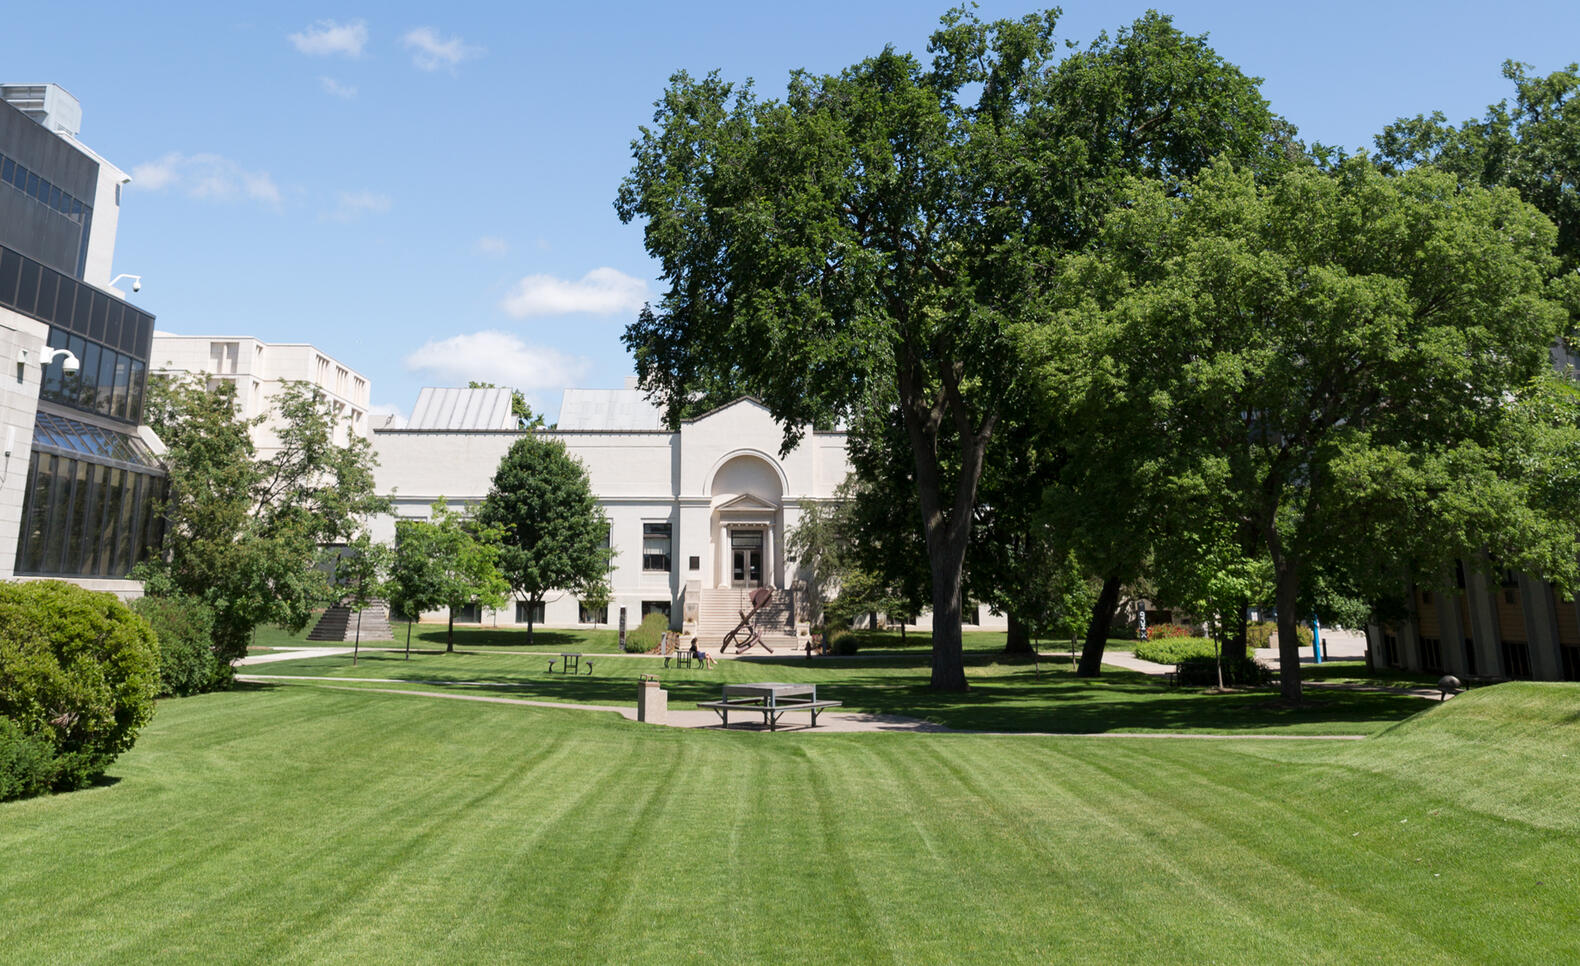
1017, 640
1097, 631
949, 669
449, 637
1287, 576
356, 646
530, 610
408, 638
1234, 648
947, 526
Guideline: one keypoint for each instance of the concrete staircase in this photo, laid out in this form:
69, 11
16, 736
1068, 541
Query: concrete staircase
720, 610
340, 624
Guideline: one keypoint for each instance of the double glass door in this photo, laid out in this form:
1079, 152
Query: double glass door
746, 558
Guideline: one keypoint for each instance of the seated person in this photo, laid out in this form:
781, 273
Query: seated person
697, 654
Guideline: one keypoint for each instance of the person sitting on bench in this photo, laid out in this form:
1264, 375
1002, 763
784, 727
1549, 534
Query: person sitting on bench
697, 654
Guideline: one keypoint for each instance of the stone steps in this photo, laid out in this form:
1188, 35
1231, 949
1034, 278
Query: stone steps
339, 623
719, 612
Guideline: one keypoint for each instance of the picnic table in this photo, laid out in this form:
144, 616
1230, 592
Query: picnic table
771, 699
570, 662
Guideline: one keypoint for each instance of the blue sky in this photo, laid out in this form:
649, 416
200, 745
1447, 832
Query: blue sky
425, 191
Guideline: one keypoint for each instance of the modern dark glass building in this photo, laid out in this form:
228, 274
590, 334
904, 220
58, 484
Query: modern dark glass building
82, 491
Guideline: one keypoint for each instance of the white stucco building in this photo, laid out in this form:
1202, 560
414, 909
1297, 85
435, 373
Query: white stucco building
260, 371
698, 516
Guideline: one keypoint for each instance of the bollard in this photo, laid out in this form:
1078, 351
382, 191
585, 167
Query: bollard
652, 701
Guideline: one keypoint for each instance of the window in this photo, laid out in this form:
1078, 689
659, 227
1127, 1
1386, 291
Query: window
694, 563
470, 614
587, 615
224, 356
1517, 660
655, 548
655, 607
1431, 654
970, 615
529, 613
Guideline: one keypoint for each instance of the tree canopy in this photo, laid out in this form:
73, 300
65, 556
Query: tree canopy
553, 533
249, 536
1339, 358
446, 561
873, 240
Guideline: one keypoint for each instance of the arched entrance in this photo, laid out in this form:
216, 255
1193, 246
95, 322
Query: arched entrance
746, 522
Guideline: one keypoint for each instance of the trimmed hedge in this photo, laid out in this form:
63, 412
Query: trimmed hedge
78, 670
1203, 672
27, 763
1261, 633
647, 635
185, 629
1172, 650
842, 640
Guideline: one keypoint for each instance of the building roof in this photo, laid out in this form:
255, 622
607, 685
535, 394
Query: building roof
462, 409
605, 409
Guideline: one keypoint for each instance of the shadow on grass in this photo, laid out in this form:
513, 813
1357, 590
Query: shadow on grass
1005, 695
543, 639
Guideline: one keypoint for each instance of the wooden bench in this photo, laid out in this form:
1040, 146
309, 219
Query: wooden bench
570, 663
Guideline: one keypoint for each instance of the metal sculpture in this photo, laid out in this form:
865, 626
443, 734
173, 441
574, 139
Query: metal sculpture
752, 637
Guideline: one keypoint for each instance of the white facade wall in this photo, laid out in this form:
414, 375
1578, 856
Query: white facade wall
718, 474
260, 370
19, 387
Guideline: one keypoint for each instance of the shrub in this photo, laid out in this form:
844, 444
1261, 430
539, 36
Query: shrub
1157, 631
77, 669
842, 640
185, 629
1203, 672
1172, 650
647, 635
27, 763
1261, 634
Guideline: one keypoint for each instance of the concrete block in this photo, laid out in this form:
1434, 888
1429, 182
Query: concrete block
652, 703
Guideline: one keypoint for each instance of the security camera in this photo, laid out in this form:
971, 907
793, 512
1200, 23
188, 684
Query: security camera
68, 360
137, 286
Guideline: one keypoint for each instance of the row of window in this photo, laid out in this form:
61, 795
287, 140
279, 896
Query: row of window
86, 519
34, 289
533, 613
107, 382
13, 173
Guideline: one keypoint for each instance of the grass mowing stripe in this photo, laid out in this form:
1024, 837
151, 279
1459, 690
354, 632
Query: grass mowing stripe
336, 826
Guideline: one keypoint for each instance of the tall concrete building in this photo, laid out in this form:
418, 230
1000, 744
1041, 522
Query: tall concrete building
260, 370
82, 490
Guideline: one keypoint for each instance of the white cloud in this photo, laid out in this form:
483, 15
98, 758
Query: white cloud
343, 91
329, 37
430, 52
352, 205
492, 245
602, 291
498, 357
209, 177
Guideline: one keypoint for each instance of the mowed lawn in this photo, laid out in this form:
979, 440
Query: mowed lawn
297, 824
1006, 694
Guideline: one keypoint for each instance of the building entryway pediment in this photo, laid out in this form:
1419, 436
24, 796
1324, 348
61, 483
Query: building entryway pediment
748, 502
